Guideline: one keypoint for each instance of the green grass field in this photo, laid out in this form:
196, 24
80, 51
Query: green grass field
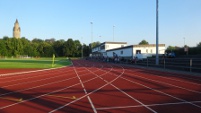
33, 63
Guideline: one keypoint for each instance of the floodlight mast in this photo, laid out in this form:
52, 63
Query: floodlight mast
113, 32
157, 57
91, 33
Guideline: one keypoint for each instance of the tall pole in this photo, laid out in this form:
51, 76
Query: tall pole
113, 32
91, 33
157, 58
82, 48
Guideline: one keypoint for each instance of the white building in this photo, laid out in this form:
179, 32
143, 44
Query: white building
141, 51
101, 49
107, 49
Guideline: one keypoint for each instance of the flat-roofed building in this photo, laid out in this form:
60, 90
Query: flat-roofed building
100, 50
136, 50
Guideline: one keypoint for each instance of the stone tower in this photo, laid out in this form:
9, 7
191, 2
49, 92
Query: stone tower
16, 29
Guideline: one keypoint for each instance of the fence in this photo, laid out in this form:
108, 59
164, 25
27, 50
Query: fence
184, 64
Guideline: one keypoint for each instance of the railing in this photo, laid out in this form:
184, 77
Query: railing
184, 64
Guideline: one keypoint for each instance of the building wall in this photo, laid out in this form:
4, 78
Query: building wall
130, 51
149, 49
112, 46
124, 52
107, 46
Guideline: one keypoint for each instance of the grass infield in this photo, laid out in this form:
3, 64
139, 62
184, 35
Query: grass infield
33, 63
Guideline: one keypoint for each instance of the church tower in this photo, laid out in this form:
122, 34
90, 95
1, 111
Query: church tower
16, 29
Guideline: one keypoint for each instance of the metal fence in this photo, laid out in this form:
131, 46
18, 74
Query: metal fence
184, 64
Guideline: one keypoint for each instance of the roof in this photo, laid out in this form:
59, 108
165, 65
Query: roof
16, 21
150, 45
110, 43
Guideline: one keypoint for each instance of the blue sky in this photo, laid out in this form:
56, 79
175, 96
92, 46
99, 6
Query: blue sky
134, 20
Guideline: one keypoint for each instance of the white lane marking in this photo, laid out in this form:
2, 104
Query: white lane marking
17, 73
92, 105
40, 85
176, 78
160, 92
168, 84
49, 92
28, 82
38, 96
33, 76
37, 86
119, 76
149, 105
134, 99
84, 95
89, 99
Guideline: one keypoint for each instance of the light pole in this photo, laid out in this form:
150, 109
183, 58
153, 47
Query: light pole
82, 50
184, 42
113, 32
91, 33
157, 57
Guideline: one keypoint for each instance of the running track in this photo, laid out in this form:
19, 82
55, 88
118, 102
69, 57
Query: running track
99, 87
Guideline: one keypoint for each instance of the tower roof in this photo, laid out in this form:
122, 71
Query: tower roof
16, 21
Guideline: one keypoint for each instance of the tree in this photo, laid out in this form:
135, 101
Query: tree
50, 41
199, 44
170, 48
78, 48
58, 47
3, 50
42, 48
36, 40
86, 50
144, 42
47, 49
94, 44
69, 48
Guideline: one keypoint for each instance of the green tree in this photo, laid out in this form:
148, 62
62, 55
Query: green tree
69, 48
34, 51
47, 49
170, 48
86, 50
144, 42
199, 44
3, 50
50, 41
77, 52
94, 44
58, 47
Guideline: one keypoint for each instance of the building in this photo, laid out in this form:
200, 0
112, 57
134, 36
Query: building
100, 50
120, 49
16, 30
140, 51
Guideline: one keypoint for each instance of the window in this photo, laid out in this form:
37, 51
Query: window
151, 50
138, 51
147, 51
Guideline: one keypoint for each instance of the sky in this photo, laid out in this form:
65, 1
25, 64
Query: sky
128, 21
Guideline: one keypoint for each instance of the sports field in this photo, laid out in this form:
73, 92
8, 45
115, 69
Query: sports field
94, 87
33, 63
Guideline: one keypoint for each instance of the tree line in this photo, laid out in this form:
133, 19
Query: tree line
42, 48
186, 50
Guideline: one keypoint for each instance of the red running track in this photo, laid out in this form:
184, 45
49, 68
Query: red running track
99, 87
